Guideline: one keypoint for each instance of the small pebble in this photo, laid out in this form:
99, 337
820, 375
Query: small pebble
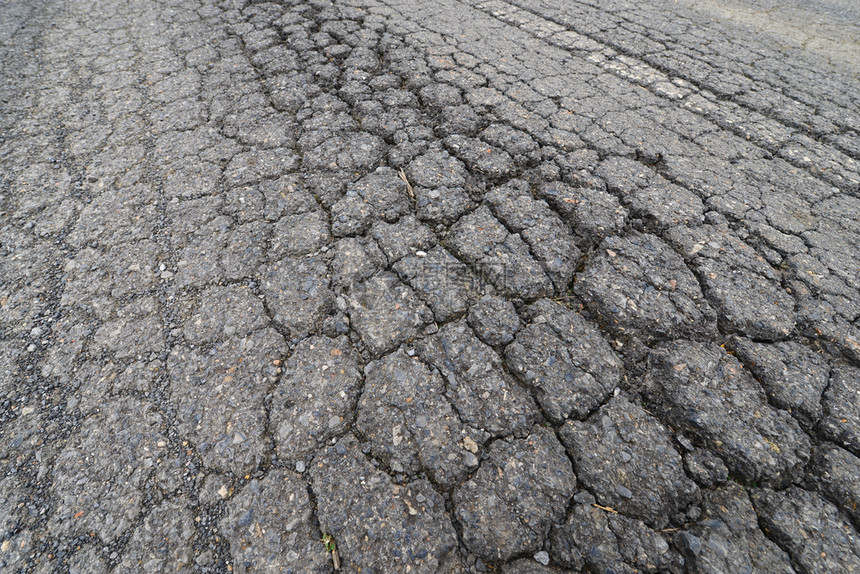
685, 442
204, 559
470, 460
542, 557
470, 445
584, 497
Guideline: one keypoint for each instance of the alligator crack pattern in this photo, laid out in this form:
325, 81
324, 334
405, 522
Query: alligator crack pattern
527, 285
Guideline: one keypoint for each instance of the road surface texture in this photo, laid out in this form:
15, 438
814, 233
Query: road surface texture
518, 286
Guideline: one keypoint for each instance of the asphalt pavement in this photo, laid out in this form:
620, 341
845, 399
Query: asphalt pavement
377, 286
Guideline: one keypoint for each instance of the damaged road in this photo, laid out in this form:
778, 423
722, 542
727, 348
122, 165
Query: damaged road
522, 286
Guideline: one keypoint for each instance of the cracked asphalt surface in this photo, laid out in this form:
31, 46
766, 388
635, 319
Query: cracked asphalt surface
521, 286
